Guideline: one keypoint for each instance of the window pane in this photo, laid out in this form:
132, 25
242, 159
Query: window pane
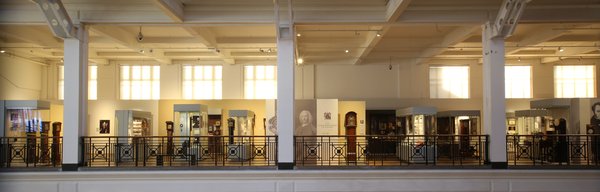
249, 70
262, 84
449, 82
574, 81
144, 83
517, 81
187, 72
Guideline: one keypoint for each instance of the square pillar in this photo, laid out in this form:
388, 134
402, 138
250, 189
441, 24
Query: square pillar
75, 103
494, 105
285, 97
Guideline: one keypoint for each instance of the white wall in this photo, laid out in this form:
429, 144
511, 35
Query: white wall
20, 79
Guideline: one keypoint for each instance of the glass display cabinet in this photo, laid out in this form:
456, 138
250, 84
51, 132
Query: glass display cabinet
133, 123
417, 123
191, 124
455, 131
22, 122
239, 147
533, 121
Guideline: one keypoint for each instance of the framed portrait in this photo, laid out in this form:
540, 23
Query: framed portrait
104, 126
195, 121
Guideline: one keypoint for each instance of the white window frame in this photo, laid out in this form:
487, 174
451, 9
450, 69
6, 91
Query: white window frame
254, 79
576, 83
198, 81
436, 83
514, 82
134, 82
92, 82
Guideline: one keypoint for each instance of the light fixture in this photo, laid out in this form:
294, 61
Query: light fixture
390, 66
300, 60
62, 60
2, 51
378, 34
519, 59
140, 36
347, 51
142, 51
561, 49
298, 35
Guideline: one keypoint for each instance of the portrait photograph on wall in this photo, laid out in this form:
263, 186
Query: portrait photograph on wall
104, 126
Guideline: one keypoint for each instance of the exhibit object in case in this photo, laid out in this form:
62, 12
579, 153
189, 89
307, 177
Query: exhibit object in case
417, 123
240, 148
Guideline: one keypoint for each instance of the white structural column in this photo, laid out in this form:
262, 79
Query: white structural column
285, 88
75, 103
494, 114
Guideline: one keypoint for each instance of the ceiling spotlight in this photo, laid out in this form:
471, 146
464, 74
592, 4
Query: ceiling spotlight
347, 51
519, 59
298, 35
62, 60
378, 34
300, 60
142, 51
2, 51
561, 49
140, 36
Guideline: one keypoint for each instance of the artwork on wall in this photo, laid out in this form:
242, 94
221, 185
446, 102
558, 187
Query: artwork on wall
104, 126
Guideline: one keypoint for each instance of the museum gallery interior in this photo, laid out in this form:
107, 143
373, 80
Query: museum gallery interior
300, 95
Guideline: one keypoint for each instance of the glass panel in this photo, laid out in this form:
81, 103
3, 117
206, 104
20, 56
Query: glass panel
218, 72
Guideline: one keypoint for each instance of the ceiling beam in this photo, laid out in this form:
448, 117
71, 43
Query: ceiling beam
394, 9
539, 35
208, 38
128, 40
451, 38
172, 8
570, 51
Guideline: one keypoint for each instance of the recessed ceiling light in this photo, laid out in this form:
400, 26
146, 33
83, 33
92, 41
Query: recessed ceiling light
347, 51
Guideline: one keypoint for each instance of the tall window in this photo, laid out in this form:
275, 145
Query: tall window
92, 82
572, 81
517, 81
449, 82
202, 82
260, 82
140, 82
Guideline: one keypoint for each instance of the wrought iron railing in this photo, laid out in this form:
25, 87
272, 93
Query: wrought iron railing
360, 151
553, 150
195, 151
18, 152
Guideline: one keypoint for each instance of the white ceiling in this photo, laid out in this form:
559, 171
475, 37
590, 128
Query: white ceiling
239, 31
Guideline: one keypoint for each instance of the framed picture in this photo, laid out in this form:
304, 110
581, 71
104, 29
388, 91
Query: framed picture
104, 126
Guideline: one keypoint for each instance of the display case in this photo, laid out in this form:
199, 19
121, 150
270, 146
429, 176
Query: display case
190, 119
191, 122
133, 123
454, 129
23, 118
533, 121
239, 148
417, 123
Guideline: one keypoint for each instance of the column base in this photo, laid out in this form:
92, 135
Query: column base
285, 166
499, 165
70, 167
